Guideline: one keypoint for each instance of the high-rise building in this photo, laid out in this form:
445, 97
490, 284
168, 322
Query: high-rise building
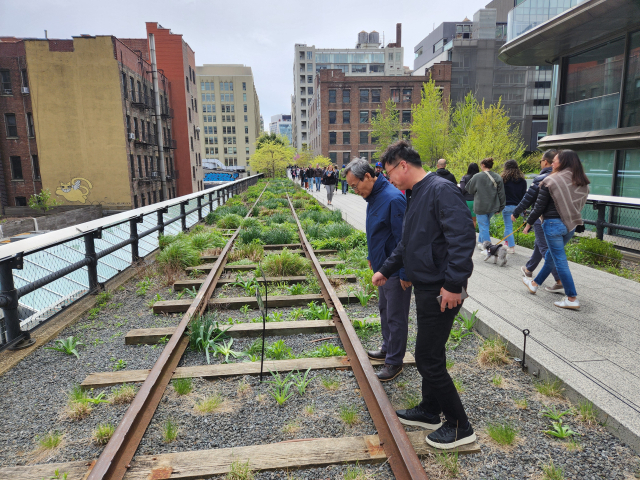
342, 108
368, 58
230, 114
281, 125
472, 48
89, 133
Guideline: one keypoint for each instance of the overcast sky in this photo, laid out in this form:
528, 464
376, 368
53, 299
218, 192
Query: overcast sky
257, 34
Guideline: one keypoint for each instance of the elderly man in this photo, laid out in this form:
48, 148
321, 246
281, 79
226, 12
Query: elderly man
443, 172
385, 214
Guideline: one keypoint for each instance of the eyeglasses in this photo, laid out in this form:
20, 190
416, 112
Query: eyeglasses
355, 187
389, 171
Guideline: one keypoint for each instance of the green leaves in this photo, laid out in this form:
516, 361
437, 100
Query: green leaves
559, 430
385, 127
430, 128
315, 312
68, 346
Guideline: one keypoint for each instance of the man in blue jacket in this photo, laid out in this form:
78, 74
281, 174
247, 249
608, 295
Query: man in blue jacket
385, 214
438, 240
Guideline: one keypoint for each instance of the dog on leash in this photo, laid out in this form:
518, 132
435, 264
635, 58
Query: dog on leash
498, 252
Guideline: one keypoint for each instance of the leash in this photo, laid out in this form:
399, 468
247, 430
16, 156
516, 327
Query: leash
515, 231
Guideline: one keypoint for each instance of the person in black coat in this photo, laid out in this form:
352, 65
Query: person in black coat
443, 172
471, 171
515, 186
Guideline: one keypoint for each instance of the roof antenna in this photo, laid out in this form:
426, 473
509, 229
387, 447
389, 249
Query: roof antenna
45, 35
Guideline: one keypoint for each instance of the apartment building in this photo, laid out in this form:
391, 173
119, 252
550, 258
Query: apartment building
343, 106
230, 114
87, 134
368, 59
281, 125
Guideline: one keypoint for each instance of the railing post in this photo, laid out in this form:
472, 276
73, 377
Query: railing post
211, 202
199, 209
133, 229
90, 253
9, 296
183, 216
161, 213
218, 197
601, 207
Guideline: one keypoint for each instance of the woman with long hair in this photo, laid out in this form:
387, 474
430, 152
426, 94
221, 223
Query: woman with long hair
329, 180
562, 196
515, 186
472, 169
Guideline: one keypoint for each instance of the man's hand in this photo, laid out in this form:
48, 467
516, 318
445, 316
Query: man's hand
370, 267
378, 279
513, 219
527, 227
449, 300
405, 284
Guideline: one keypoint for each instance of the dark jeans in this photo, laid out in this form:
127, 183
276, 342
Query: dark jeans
439, 394
539, 250
394, 304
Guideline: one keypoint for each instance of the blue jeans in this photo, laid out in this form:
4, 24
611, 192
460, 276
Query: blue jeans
557, 236
508, 224
483, 225
318, 180
539, 250
345, 186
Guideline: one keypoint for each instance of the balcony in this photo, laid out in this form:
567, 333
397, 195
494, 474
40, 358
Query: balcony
170, 144
141, 100
599, 113
155, 176
146, 141
166, 112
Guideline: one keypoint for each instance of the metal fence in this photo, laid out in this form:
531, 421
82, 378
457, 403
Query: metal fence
41, 275
614, 219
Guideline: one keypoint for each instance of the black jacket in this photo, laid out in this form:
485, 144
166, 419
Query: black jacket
444, 173
330, 178
545, 207
514, 191
531, 194
438, 238
463, 184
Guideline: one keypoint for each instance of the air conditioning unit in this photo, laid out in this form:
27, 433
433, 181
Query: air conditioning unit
25, 90
155, 174
132, 136
7, 92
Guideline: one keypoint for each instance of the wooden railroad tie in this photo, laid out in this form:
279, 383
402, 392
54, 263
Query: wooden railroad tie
197, 283
213, 258
223, 370
235, 303
206, 267
292, 454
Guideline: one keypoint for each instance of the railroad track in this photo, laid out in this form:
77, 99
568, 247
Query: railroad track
391, 443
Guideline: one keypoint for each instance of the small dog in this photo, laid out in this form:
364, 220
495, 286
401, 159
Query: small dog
498, 252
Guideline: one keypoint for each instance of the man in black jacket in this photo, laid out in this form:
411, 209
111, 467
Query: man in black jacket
438, 241
443, 172
540, 245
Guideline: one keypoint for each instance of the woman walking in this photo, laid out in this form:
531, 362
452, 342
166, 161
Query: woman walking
515, 186
487, 189
560, 200
329, 180
472, 169
309, 174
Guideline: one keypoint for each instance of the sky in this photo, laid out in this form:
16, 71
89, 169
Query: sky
261, 35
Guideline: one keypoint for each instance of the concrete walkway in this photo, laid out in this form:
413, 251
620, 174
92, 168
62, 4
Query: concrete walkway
594, 351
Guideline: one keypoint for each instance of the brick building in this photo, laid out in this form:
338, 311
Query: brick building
342, 108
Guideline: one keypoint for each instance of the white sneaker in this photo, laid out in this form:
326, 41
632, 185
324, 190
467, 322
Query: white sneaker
511, 249
528, 282
566, 303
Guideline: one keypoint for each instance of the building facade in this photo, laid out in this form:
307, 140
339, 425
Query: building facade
84, 147
472, 47
368, 59
342, 108
281, 125
230, 114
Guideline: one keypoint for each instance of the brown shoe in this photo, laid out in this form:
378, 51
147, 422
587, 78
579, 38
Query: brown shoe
389, 372
376, 354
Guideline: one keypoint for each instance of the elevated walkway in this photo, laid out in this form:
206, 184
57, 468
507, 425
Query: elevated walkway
595, 352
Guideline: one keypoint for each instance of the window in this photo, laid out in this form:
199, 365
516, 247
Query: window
346, 116
376, 68
246, 139
12, 126
540, 102
21, 201
364, 155
332, 117
31, 129
246, 118
332, 138
546, 84
391, 56
16, 168
140, 166
309, 67
346, 138
247, 150
346, 96
395, 95
135, 201
406, 116
189, 114
358, 69
364, 95
36, 166
133, 88
375, 95
187, 82
364, 116
406, 94
332, 96
25, 79
244, 97
128, 125
333, 156
310, 90
631, 107
309, 55
246, 130
124, 85
364, 138
406, 134
191, 143
5, 82
245, 109
345, 157
244, 86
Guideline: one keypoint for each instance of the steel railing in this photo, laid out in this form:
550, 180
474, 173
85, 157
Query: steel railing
616, 219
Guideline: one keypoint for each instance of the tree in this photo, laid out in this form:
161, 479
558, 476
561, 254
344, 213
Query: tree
385, 127
430, 128
461, 119
272, 137
272, 158
43, 201
322, 160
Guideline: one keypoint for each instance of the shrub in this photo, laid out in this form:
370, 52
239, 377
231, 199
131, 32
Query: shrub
166, 240
250, 222
231, 221
597, 252
179, 255
211, 218
225, 210
285, 264
282, 217
276, 236
253, 251
207, 239
337, 230
250, 235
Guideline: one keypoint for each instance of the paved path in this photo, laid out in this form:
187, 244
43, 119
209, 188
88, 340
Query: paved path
595, 351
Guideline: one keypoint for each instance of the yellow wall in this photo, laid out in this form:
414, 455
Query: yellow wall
77, 109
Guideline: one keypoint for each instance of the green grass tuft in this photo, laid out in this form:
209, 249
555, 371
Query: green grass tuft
182, 386
502, 433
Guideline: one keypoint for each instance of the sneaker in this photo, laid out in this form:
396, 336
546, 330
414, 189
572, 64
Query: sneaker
448, 436
566, 303
526, 272
511, 249
528, 282
556, 288
419, 418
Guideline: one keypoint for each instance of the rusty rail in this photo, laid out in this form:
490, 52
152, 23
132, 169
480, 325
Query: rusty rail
396, 444
116, 457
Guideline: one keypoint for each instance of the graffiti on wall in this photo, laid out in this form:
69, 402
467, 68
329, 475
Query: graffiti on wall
75, 191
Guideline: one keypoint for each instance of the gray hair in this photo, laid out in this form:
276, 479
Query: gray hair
358, 168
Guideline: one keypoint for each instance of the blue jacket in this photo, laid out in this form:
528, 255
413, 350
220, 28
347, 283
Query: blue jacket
385, 214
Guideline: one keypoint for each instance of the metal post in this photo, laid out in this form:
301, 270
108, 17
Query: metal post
90, 253
156, 91
161, 213
218, 197
211, 202
183, 220
9, 296
133, 229
601, 207
199, 209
